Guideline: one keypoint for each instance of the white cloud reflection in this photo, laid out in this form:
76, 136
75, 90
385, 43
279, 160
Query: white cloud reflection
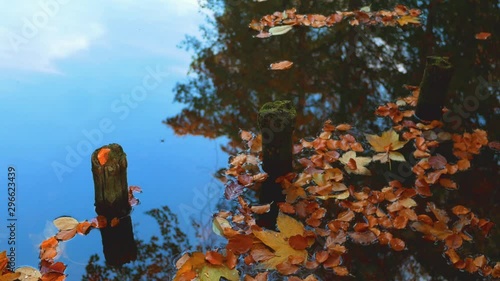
37, 35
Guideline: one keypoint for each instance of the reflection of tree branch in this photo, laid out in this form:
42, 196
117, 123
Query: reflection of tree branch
155, 259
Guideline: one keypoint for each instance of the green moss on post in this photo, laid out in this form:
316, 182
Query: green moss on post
276, 121
433, 88
111, 201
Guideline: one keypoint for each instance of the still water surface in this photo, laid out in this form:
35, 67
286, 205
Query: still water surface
99, 74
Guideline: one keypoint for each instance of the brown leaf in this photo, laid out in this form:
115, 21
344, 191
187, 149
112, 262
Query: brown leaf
437, 162
298, 242
261, 209
65, 235
363, 238
239, 243
214, 258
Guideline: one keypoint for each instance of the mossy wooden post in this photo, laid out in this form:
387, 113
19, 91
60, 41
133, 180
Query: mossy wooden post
111, 201
276, 121
433, 88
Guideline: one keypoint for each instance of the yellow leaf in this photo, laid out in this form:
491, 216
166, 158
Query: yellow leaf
396, 156
289, 226
278, 241
388, 141
340, 196
65, 223
219, 224
404, 20
215, 272
361, 162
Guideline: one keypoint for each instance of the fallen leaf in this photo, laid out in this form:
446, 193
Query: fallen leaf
280, 30
277, 241
483, 35
65, 223
103, 155
282, 65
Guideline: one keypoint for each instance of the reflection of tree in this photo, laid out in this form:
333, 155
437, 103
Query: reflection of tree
343, 73
340, 72
155, 258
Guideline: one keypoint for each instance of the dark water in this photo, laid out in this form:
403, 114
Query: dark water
343, 73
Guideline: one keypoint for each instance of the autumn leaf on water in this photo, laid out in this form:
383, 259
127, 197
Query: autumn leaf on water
387, 144
196, 265
279, 241
404, 20
65, 223
103, 155
483, 35
282, 65
28, 273
359, 166
280, 30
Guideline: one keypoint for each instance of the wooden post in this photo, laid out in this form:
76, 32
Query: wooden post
433, 88
276, 121
109, 169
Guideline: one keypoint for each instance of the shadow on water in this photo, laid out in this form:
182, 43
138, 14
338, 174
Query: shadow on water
340, 73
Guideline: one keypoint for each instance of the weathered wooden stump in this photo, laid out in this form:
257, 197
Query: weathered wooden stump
276, 121
109, 169
433, 88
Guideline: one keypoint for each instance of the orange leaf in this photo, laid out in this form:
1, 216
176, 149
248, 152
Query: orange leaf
341, 271
452, 254
53, 276
453, 241
321, 256
214, 258
49, 243
463, 164
286, 268
483, 35
231, 260
460, 210
83, 228
282, 65
384, 238
343, 127
422, 187
103, 155
448, 183
286, 208
261, 254
397, 244
261, 209
48, 254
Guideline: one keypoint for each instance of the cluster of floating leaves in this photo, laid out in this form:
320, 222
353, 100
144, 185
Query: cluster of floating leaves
309, 236
68, 227
280, 23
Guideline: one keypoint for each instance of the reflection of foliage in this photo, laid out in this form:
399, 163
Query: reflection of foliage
338, 73
155, 259
339, 212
